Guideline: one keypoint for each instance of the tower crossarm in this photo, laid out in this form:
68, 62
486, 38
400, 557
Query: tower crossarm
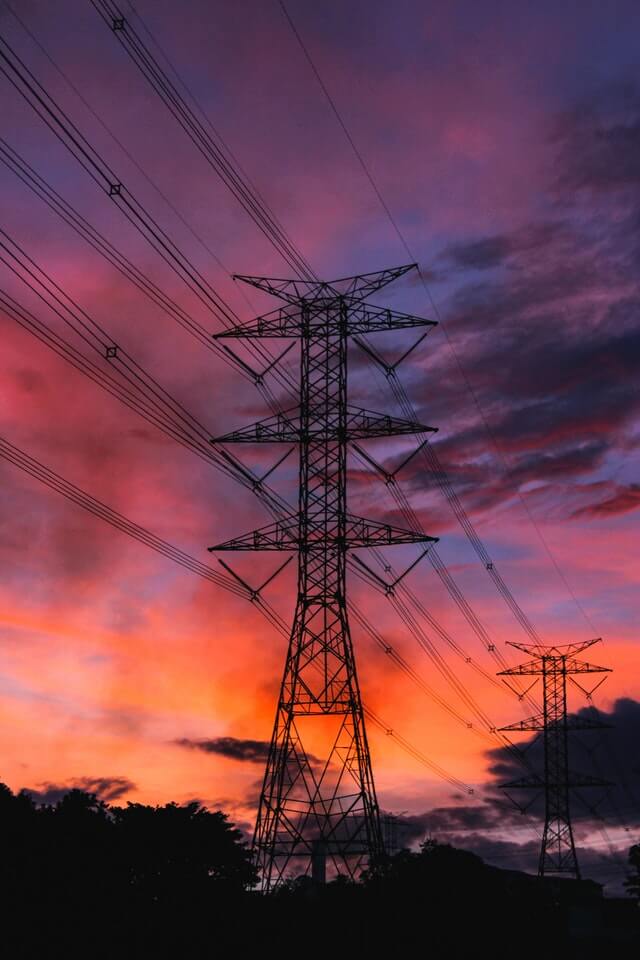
532, 782
576, 722
535, 724
579, 666
552, 664
291, 535
353, 288
557, 650
370, 533
316, 321
359, 424
573, 781
281, 535
530, 668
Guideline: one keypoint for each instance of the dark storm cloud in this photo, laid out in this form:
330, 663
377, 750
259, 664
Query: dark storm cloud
487, 814
108, 789
589, 374
493, 251
247, 751
623, 500
618, 745
480, 254
547, 387
559, 463
612, 754
601, 141
552, 332
251, 751
559, 403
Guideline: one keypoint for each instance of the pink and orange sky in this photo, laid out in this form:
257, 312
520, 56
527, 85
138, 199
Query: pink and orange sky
505, 139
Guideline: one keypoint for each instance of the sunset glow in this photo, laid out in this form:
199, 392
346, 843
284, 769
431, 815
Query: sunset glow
508, 156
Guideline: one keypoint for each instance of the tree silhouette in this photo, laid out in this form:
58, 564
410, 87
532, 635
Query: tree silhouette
137, 873
179, 852
83, 876
633, 883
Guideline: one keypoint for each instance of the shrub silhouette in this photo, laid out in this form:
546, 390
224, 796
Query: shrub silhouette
83, 877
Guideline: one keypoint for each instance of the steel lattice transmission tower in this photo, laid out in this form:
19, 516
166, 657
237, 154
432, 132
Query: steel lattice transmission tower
318, 803
556, 665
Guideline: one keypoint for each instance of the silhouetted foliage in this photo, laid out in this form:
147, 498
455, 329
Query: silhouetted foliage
446, 902
81, 866
633, 883
83, 877
179, 852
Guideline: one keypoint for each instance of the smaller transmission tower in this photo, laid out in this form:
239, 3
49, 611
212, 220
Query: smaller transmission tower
555, 664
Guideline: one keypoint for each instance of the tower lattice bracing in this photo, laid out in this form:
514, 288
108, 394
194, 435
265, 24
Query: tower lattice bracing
556, 665
318, 804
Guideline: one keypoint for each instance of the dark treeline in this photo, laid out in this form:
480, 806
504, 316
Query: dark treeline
81, 877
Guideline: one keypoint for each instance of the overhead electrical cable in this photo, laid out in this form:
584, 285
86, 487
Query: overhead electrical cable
195, 439
205, 117
154, 73
202, 139
109, 131
192, 442
63, 128
502, 587
117, 192
149, 66
94, 335
54, 200
127, 35
56, 482
96, 338
100, 510
447, 580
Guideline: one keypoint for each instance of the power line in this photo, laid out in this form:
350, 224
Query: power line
162, 84
168, 425
56, 202
63, 128
145, 61
126, 34
173, 417
141, 170
128, 37
145, 405
172, 414
97, 338
223, 465
40, 472
461, 370
100, 510
205, 117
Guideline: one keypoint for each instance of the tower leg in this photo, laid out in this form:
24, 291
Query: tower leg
318, 811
